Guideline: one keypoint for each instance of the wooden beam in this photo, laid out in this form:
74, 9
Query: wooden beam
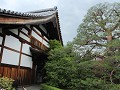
25, 21
20, 55
1, 35
25, 34
14, 50
4, 19
27, 28
23, 40
8, 26
3, 42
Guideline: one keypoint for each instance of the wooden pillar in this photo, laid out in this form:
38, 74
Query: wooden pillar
42, 42
18, 70
20, 54
3, 42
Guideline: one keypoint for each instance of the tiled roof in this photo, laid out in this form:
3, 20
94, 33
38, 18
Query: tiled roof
34, 14
33, 17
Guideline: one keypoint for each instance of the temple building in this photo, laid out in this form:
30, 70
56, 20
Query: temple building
24, 38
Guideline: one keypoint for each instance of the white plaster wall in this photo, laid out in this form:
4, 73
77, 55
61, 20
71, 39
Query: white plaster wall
10, 57
12, 42
0, 50
45, 43
43, 28
26, 61
15, 31
26, 49
24, 37
46, 38
36, 36
25, 31
37, 30
1, 38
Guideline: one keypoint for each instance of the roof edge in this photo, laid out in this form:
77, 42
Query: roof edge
44, 10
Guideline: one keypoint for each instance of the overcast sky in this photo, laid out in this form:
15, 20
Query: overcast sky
71, 12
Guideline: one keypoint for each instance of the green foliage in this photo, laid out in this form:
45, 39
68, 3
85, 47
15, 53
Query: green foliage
61, 67
46, 87
101, 22
75, 67
6, 83
114, 43
54, 44
65, 70
112, 87
92, 84
60, 73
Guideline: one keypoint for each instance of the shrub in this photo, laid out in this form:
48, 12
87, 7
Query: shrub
46, 87
112, 87
92, 84
6, 83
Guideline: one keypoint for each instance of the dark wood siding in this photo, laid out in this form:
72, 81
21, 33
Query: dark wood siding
23, 76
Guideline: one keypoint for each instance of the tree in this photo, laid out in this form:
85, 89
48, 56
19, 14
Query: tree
73, 67
100, 27
60, 67
99, 34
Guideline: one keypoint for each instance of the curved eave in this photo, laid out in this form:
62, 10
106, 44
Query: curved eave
16, 20
35, 14
59, 31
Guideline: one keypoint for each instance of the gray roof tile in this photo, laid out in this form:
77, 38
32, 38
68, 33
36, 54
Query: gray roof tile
34, 14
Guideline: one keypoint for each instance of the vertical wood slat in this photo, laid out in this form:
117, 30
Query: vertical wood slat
9, 72
14, 73
24, 77
1, 71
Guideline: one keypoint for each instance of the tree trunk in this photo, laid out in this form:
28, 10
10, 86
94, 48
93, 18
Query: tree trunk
109, 38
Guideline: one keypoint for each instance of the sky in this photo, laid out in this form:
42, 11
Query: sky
71, 12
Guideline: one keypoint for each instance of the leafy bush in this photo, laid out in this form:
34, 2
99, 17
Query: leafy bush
112, 87
46, 87
6, 83
92, 84
61, 67
67, 71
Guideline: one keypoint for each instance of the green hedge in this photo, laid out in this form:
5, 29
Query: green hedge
112, 87
46, 87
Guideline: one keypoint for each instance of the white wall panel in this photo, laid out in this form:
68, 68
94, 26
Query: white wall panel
43, 28
46, 38
12, 42
15, 31
36, 36
0, 50
25, 31
26, 49
37, 30
45, 43
24, 37
1, 38
26, 61
10, 57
